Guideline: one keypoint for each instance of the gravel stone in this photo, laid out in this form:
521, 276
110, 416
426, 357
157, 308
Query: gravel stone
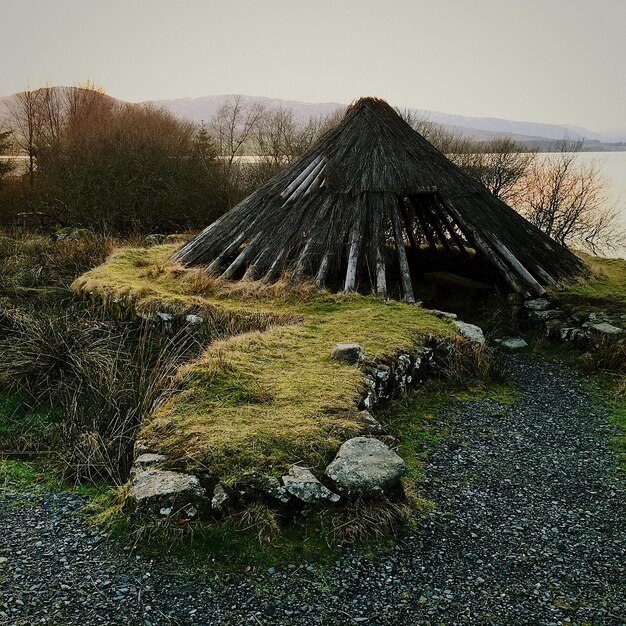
528, 529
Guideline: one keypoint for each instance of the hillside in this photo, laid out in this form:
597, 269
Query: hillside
533, 134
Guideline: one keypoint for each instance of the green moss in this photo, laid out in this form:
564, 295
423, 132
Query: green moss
262, 399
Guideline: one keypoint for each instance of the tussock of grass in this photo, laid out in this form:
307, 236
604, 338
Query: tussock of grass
606, 288
270, 396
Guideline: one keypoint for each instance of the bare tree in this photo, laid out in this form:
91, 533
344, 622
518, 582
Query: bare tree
499, 164
233, 128
568, 201
25, 113
7, 164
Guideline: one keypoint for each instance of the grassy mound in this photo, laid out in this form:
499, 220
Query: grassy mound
265, 393
606, 288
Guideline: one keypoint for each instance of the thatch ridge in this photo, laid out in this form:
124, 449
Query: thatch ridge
344, 212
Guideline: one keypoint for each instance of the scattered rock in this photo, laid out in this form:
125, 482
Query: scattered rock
153, 490
220, 499
605, 331
365, 466
154, 240
511, 343
301, 483
544, 316
72, 234
372, 425
176, 238
148, 460
443, 314
268, 485
471, 332
194, 319
351, 353
539, 304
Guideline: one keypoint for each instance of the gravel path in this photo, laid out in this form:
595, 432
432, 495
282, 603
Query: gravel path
530, 529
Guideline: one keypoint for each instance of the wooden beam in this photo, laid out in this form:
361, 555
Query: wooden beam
408, 225
488, 249
405, 274
353, 256
298, 179
274, 270
432, 218
417, 207
528, 278
244, 255
381, 272
302, 259
320, 277
446, 222
217, 263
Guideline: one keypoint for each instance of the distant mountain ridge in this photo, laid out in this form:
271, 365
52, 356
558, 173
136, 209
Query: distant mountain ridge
203, 108
481, 128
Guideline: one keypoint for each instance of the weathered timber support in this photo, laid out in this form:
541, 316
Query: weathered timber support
381, 274
419, 213
446, 222
320, 277
275, 268
528, 278
353, 256
405, 274
216, 264
432, 218
302, 260
489, 250
408, 224
244, 255
285, 195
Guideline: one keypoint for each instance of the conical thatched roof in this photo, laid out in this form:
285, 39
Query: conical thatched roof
345, 212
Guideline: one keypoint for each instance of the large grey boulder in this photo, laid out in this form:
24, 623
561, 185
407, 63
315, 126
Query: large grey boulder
365, 466
301, 483
471, 332
155, 492
351, 353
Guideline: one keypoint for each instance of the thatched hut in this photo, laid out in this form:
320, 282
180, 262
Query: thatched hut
354, 211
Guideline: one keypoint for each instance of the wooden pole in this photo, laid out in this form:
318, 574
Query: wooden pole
489, 250
430, 216
444, 218
381, 273
302, 259
405, 274
217, 263
353, 256
529, 279
420, 218
298, 179
320, 277
407, 224
244, 255
274, 269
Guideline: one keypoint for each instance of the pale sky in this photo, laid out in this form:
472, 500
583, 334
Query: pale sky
556, 61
